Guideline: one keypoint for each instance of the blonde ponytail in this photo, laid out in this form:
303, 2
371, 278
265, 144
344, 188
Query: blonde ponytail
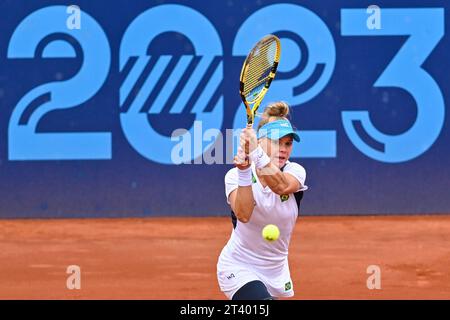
274, 111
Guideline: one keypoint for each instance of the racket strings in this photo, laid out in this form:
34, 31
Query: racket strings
259, 66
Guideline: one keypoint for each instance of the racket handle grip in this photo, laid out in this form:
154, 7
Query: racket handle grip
247, 148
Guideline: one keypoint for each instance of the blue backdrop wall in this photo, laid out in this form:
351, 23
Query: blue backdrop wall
100, 102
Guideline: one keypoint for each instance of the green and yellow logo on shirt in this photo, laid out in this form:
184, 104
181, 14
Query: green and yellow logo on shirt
284, 197
287, 286
253, 179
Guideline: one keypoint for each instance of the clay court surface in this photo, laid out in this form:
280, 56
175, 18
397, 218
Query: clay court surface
175, 258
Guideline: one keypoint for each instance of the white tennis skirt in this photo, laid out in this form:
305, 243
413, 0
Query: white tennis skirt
232, 275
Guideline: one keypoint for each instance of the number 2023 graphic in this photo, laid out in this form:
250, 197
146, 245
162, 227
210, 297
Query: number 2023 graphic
308, 52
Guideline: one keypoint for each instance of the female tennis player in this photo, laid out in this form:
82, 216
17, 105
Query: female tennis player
265, 190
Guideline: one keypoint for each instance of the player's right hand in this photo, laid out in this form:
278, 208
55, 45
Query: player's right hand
241, 160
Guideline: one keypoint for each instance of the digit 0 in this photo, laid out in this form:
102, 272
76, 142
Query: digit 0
168, 101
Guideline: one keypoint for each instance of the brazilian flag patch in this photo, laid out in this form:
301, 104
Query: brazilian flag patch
284, 197
253, 179
287, 286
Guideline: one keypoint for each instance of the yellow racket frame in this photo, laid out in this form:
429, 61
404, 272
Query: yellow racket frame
256, 101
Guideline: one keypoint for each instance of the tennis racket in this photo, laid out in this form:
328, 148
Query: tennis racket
257, 73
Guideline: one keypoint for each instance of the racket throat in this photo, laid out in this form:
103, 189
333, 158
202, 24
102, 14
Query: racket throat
250, 119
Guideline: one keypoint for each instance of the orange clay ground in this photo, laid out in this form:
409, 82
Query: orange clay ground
175, 258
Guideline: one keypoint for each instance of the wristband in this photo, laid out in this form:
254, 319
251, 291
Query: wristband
259, 157
245, 177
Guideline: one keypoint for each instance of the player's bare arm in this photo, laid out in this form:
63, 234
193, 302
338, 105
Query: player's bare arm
242, 203
279, 182
241, 200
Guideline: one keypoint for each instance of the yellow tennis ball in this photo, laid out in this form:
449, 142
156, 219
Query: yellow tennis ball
270, 232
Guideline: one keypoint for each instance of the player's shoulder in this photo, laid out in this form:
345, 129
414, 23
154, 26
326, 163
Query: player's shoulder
231, 174
232, 171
